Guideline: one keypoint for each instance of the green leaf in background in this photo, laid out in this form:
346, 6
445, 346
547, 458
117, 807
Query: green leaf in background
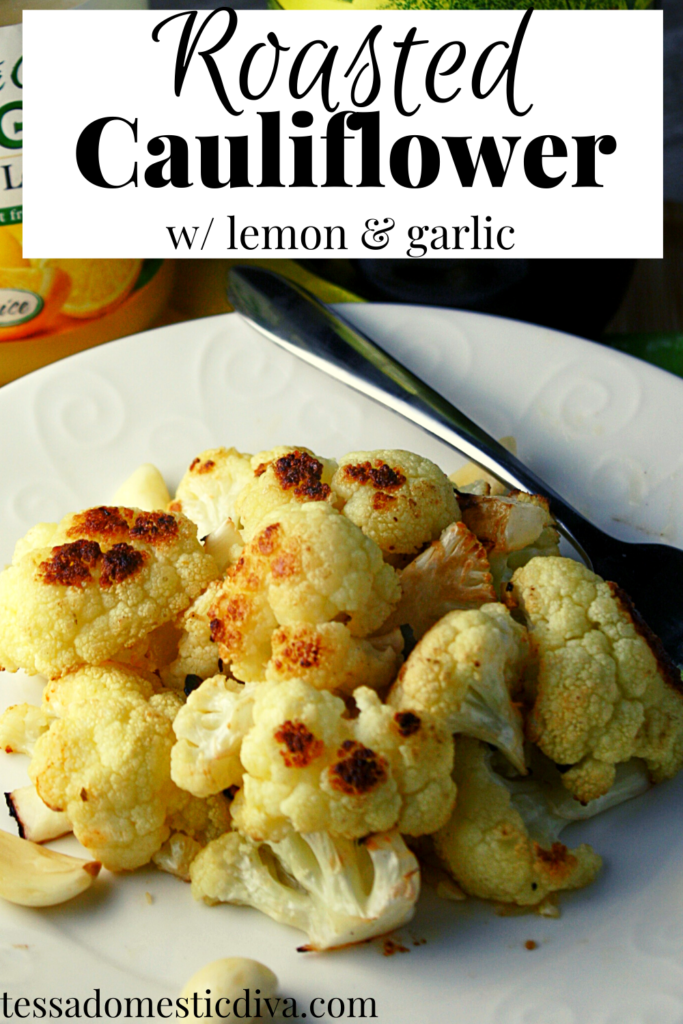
664, 350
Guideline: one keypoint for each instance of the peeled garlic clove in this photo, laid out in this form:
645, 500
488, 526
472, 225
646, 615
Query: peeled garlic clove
235, 978
471, 474
144, 489
35, 820
35, 877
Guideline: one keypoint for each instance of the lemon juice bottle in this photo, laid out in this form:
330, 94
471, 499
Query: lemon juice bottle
52, 307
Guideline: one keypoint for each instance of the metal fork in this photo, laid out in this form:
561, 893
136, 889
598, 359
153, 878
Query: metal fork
651, 574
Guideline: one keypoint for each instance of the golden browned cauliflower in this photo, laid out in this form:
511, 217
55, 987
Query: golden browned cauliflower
462, 673
453, 572
98, 682
283, 476
192, 824
106, 762
308, 563
489, 848
154, 652
605, 691
110, 577
309, 767
207, 492
513, 529
329, 657
401, 500
197, 652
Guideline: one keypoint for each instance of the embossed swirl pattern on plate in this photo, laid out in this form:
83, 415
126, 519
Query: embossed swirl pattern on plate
335, 422
79, 408
41, 501
244, 373
592, 401
178, 439
434, 352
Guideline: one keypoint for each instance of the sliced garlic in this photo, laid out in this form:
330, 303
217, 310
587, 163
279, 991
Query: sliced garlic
35, 877
144, 489
35, 820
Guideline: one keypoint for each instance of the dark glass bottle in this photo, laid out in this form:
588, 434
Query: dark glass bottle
578, 296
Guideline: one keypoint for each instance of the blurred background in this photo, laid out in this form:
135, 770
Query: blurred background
636, 306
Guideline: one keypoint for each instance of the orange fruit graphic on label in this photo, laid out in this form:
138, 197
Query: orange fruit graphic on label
10, 249
96, 285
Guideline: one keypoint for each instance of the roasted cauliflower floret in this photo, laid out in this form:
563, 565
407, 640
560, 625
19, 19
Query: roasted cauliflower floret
489, 848
335, 890
210, 729
308, 563
605, 690
199, 823
209, 489
305, 771
453, 572
110, 577
197, 652
281, 477
329, 657
401, 500
154, 652
98, 682
106, 764
462, 673
20, 727
205, 819
39, 536
513, 529
420, 752
308, 767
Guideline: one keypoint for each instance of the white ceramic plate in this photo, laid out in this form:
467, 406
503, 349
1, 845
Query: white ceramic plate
602, 428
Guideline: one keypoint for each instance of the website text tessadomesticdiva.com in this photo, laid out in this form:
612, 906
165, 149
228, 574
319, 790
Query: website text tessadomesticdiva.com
251, 1005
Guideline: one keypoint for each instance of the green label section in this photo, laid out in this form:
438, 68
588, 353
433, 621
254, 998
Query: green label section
10, 215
